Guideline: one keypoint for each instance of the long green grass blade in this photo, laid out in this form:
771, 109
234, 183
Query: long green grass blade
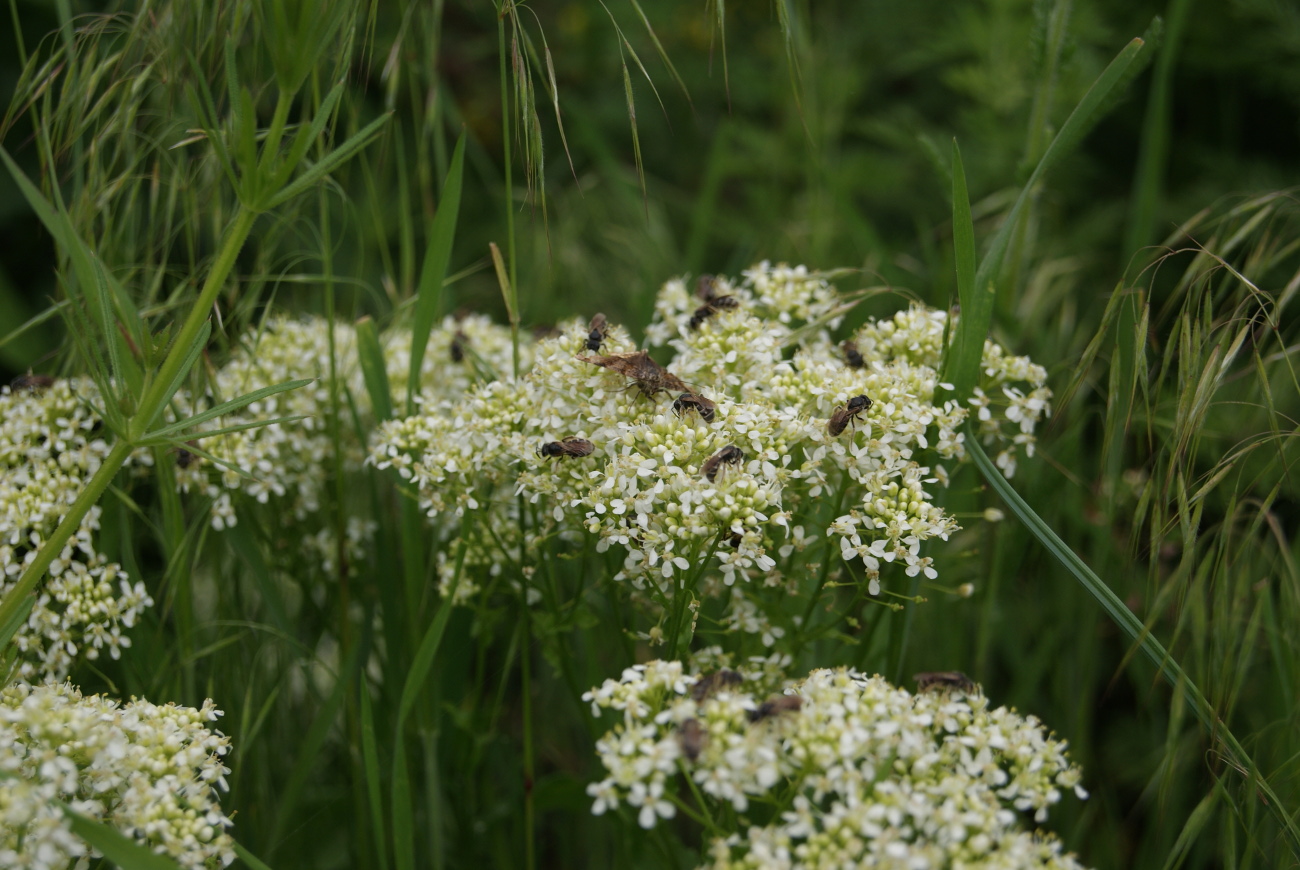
225, 408
250, 859
973, 303
374, 787
371, 355
442, 235
1132, 626
329, 163
308, 757
123, 851
974, 325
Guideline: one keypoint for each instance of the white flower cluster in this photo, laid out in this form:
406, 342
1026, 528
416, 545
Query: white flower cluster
845, 770
678, 485
50, 445
1010, 399
281, 460
292, 460
149, 771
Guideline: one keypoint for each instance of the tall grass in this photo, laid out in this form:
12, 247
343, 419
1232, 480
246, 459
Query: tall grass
204, 167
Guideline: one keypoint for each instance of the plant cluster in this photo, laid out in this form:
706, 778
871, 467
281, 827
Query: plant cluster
152, 772
51, 442
726, 459
834, 770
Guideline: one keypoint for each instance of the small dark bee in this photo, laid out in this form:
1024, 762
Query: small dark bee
599, 329
735, 539
712, 307
185, 458
729, 455
692, 737
851, 354
715, 681
693, 402
459, 342
845, 414
775, 705
576, 447
32, 383
952, 681
651, 377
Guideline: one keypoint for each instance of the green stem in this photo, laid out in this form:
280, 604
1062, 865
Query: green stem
510, 199
150, 406
679, 600
66, 529
156, 394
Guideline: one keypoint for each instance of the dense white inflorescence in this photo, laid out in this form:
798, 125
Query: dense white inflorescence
832, 771
152, 772
51, 443
766, 361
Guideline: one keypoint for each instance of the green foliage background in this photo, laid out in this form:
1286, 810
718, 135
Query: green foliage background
1152, 274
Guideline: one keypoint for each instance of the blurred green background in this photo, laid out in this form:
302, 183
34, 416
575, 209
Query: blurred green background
814, 133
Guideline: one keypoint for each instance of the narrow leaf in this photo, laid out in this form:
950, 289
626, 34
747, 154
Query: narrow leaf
225, 408
442, 234
373, 370
122, 850
968, 342
329, 163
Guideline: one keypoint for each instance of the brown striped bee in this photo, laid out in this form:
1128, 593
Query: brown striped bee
599, 328
694, 402
651, 377
692, 737
776, 705
729, 455
712, 307
459, 342
575, 447
715, 681
851, 354
845, 414
951, 681
32, 383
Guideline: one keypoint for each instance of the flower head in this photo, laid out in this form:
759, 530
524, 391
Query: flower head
150, 771
862, 773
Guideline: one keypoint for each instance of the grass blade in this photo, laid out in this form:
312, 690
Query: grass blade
329, 163
1132, 626
117, 847
963, 374
976, 305
371, 355
225, 408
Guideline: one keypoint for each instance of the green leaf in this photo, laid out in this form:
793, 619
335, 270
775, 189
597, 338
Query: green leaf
1119, 613
159, 435
329, 163
371, 355
15, 620
974, 324
125, 852
93, 282
977, 306
370, 764
250, 859
442, 234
